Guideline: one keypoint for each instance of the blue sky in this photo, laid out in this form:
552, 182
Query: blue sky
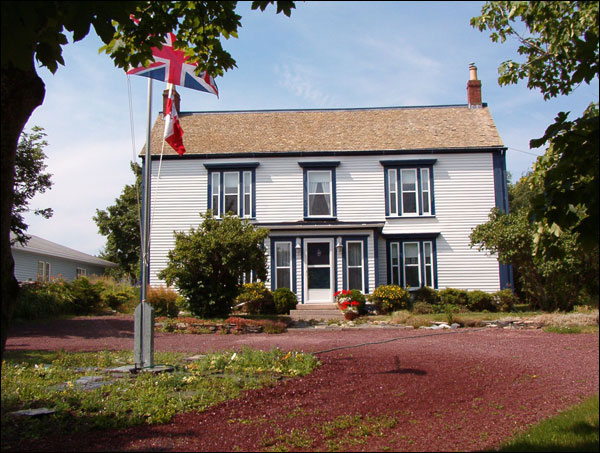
327, 55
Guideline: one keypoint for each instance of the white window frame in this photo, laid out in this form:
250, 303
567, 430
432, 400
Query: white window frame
392, 189
237, 191
361, 267
247, 192
418, 265
428, 256
395, 247
45, 275
216, 192
80, 272
309, 193
414, 192
278, 266
425, 193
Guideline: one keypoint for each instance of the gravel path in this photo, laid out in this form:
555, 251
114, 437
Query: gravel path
448, 390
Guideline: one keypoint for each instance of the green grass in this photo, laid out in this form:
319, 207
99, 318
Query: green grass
573, 430
34, 379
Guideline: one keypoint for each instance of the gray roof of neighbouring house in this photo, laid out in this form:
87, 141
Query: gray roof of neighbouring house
449, 127
44, 247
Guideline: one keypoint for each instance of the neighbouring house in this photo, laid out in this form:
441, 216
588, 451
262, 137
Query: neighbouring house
43, 260
353, 198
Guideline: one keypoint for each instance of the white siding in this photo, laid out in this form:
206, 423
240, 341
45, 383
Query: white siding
463, 196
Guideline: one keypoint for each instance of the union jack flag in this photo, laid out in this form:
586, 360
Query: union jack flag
170, 66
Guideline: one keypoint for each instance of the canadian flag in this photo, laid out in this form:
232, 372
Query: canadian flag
173, 130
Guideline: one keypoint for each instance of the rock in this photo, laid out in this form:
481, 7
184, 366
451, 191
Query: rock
39, 412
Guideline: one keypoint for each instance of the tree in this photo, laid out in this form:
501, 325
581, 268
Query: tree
208, 263
556, 277
120, 223
30, 179
560, 42
35, 31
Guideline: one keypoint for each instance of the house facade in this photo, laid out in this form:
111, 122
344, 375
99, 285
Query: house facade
352, 198
42, 260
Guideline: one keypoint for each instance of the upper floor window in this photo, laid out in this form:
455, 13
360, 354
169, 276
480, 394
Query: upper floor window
319, 189
409, 187
232, 189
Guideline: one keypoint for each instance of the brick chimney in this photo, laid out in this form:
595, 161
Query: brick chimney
473, 88
175, 97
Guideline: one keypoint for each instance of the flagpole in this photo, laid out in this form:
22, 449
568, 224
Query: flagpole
143, 349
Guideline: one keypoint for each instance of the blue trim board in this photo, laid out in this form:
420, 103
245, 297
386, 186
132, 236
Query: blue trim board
328, 167
408, 163
501, 198
231, 166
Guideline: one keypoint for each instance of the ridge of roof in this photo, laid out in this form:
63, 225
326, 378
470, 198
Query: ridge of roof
335, 109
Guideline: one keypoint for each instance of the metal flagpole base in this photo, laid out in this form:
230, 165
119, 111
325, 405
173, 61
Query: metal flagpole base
143, 332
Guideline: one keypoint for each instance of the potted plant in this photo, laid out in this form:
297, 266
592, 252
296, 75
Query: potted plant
347, 304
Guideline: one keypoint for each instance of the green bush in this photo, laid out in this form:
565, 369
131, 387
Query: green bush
422, 308
480, 301
505, 300
426, 294
163, 300
207, 263
390, 298
40, 300
257, 299
284, 300
86, 295
453, 296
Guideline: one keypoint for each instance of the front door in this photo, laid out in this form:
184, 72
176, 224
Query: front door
318, 270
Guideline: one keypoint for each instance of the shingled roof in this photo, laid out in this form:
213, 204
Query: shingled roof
361, 129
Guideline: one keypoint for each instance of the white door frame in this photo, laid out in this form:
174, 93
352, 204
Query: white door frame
319, 296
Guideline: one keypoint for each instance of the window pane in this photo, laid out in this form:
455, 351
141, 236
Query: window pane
355, 278
429, 275
215, 188
395, 263
427, 252
319, 181
395, 255
411, 274
425, 189
319, 278
319, 205
247, 194
409, 202
354, 253
409, 180
283, 278
283, 254
425, 203
318, 253
231, 183
231, 204
393, 192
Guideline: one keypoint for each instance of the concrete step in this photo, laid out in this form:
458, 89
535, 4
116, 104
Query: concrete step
325, 312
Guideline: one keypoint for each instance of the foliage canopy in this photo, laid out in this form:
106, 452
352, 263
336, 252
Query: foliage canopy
208, 263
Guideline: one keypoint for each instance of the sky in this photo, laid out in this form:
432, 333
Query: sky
326, 55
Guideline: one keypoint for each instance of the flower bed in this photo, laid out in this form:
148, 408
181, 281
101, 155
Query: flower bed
238, 325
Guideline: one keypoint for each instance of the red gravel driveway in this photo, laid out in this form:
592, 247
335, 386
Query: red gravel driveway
466, 390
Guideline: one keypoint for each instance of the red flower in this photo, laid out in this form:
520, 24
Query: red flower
354, 303
337, 294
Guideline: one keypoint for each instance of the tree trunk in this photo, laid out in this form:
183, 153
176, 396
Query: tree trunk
22, 91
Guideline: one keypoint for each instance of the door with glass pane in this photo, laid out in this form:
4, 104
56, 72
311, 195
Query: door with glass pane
318, 270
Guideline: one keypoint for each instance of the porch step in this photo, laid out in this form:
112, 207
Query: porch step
325, 312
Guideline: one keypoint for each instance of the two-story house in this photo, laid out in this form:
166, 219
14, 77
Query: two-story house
353, 198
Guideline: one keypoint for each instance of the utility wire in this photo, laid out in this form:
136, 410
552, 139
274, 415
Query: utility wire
398, 338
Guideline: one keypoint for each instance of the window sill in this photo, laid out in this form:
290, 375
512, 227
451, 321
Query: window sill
428, 216
308, 219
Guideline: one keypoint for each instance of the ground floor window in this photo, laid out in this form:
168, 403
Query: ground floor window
411, 263
283, 265
355, 265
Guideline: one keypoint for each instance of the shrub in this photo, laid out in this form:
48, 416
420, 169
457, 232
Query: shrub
359, 297
163, 300
422, 308
453, 296
284, 300
480, 301
41, 300
207, 264
505, 300
389, 298
426, 294
118, 296
257, 299
86, 295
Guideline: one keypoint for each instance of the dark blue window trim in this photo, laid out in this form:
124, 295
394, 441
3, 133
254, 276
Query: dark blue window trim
365, 242
221, 169
292, 240
501, 198
398, 165
420, 238
322, 166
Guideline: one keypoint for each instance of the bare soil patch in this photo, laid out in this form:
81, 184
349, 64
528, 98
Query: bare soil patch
461, 390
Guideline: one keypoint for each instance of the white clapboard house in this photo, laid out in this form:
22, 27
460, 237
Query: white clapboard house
353, 198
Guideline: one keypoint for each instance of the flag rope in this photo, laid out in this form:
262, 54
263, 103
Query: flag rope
134, 157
